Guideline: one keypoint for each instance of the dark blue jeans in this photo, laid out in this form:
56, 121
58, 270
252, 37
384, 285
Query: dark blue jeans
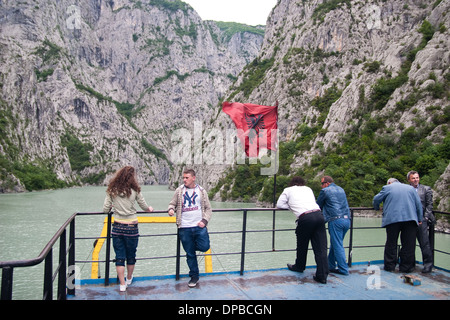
125, 248
125, 239
194, 239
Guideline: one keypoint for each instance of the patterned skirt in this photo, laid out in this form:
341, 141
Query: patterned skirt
122, 229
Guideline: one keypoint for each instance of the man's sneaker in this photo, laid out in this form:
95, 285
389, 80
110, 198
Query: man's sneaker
129, 281
193, 282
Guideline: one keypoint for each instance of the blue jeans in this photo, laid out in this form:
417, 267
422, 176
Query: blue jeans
125, 239
125, 249
194, 239
337, 230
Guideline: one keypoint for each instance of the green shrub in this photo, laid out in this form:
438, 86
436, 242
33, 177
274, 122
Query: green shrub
77, 151
37, 176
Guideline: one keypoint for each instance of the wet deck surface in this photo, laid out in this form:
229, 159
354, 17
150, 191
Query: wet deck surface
280, 284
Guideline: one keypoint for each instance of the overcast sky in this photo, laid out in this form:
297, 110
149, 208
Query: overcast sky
251, 12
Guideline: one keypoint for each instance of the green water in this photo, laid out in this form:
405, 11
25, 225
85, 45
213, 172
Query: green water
29, 220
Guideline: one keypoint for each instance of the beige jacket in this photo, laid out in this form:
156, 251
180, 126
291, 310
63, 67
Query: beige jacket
177, 204
123, 206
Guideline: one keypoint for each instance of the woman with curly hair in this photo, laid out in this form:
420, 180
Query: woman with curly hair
123, 190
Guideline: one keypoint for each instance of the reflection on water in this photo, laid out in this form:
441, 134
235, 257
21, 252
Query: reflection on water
29, 220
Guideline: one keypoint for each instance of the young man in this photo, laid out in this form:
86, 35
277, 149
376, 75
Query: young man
333, 202
310, 227
191, 205
426, 198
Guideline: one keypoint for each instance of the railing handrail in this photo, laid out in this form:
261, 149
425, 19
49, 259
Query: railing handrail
8, 266
45, 251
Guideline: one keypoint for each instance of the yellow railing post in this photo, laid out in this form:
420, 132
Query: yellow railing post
208, 261
97, 248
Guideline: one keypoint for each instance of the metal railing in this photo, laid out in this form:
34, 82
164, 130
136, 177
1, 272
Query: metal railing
65, 274
47, 255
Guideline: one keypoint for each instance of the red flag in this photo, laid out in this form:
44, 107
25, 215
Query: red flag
254, 124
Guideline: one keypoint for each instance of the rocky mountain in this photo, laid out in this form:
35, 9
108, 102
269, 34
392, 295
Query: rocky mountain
363, 92
88, 86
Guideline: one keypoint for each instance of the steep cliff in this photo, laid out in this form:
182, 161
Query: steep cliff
89, 86
363, 89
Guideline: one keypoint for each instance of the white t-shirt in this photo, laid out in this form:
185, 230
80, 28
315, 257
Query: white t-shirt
299, 199
191, 213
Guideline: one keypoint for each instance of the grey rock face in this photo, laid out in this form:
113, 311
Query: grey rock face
346, 46
119, 76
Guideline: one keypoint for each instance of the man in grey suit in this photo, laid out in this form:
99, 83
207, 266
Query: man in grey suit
402, 213
426, 198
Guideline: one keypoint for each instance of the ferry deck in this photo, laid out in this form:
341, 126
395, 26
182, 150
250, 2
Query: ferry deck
363, 283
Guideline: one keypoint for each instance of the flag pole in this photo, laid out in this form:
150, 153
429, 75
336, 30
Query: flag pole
274, 205
275, 174
274, 190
